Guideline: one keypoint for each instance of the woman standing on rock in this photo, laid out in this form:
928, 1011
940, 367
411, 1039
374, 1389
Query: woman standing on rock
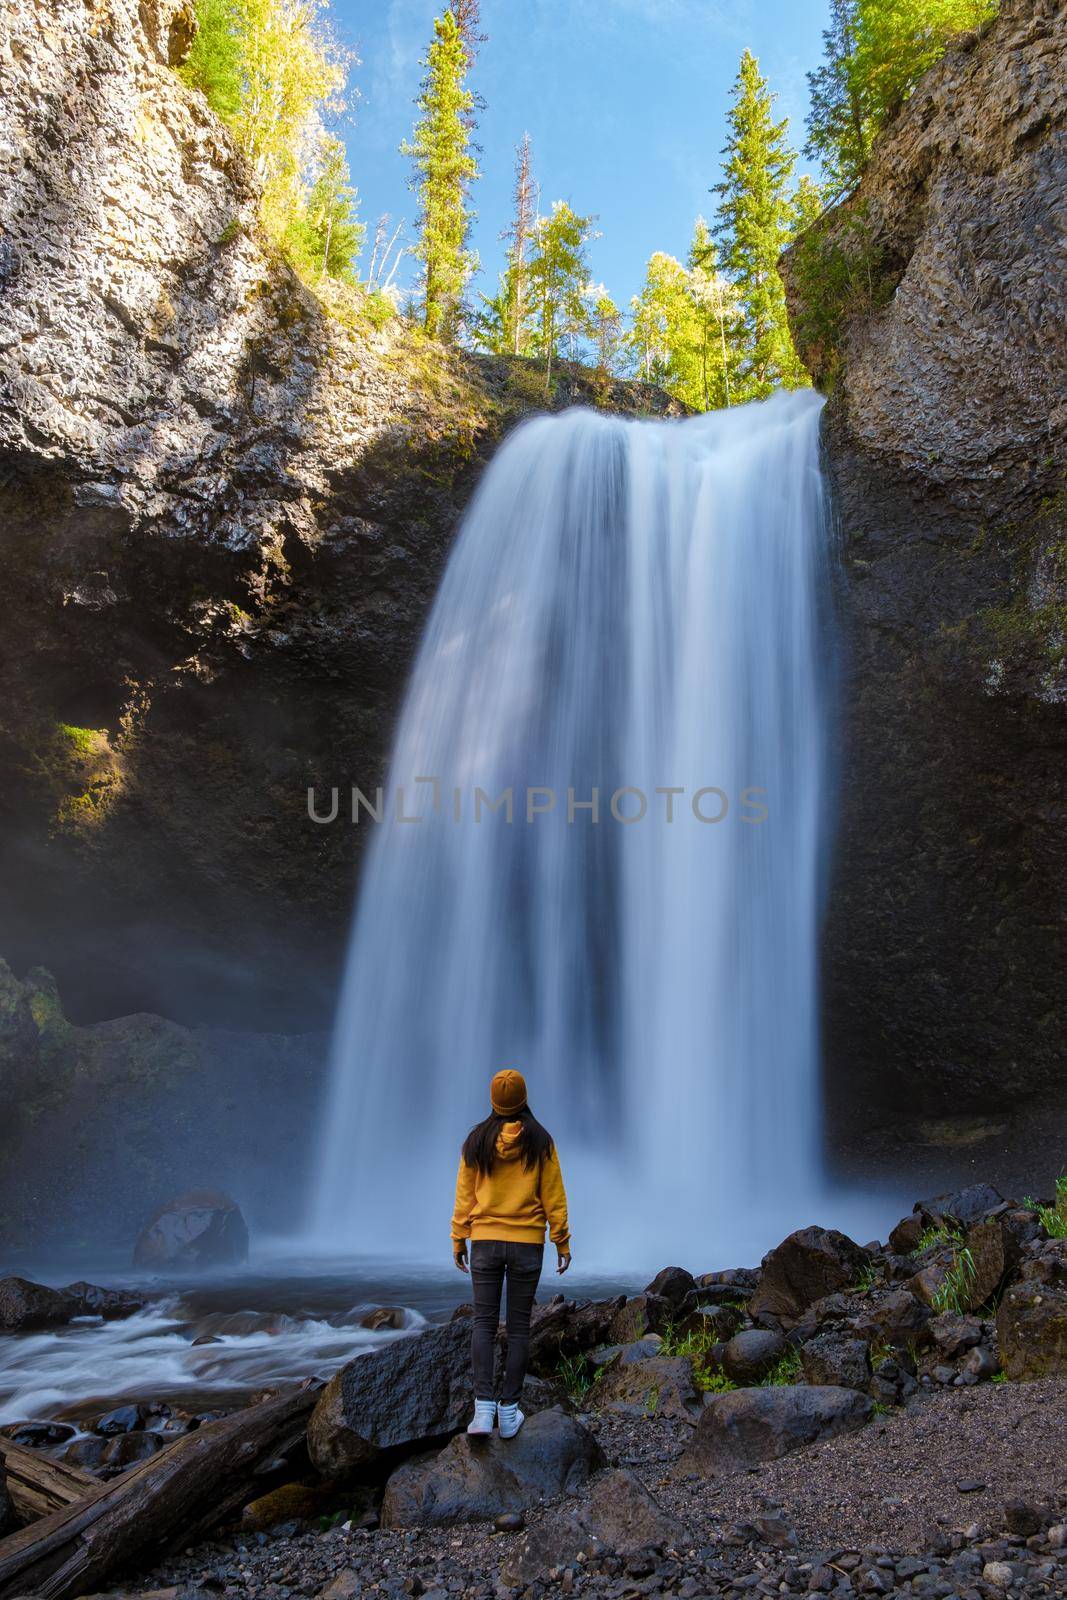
509, 1188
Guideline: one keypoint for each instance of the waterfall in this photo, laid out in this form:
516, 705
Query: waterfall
636, 608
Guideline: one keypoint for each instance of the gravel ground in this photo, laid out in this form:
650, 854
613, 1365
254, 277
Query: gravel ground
895, 1482
894, 1487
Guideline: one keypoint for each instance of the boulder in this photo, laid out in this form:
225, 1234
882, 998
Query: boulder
640, 1314
749, 1356
996, 1247
619, 1516
953, 1334
928, 1283
126, 1450
24, 1304
906, 1235
898, 1318
639, 1350
674, 1285
384, 1317
1032, 1316
650, 1386
410, 1393
477, 1480
31, 1305
37, 1435
203, 1228
741, 1429
835, 1359
960, 1209
736, 1283
811, 1263
287, 1503
570, 1327
123, 1419
712, 1322
92, 1301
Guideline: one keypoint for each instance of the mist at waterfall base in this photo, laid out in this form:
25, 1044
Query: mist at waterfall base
636, 605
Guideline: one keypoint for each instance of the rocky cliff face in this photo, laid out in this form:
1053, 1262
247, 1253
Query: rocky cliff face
225, 503
103, 1123
931, 302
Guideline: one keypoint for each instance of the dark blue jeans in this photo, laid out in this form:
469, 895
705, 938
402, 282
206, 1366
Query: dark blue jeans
493, 1260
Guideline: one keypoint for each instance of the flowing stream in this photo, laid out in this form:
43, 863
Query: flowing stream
636, 608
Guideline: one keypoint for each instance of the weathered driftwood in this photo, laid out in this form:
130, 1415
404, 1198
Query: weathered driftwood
185, 1489
39, 1484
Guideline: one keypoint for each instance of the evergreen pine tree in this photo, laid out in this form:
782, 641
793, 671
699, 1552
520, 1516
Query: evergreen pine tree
754, 223
334, 234
715, 305
609, 338
444, 171
839, 122
558, 276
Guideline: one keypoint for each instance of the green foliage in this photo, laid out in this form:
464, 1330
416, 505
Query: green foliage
954, 1292
215, 64
558, 274
999, 1377
840, 129
272, 70
840, 272
754, 222
712, 1382
325, 236
1053, 1218
81, 740
577, 1375
875, 52
685, 322
696, 1345
868, 1279
444, 169
786, 1370
608, 336
230, 232
942, 1234
491, 326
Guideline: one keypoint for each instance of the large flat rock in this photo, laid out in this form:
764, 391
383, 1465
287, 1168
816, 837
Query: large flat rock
476, 1479
742, 1429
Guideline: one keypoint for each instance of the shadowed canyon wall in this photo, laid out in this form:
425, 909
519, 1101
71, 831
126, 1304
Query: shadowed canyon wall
931, 303
225, 504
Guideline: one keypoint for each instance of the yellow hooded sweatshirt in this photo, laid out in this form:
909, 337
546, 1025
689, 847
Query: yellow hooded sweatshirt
513, 1202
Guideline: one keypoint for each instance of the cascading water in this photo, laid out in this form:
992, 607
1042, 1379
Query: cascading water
631, 606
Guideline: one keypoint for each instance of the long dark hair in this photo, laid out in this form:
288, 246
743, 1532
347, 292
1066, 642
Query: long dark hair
479, 1147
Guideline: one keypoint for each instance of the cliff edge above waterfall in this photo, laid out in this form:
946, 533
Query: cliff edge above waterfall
226, 503
930, 305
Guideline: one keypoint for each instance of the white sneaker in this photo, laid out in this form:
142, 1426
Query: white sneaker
484, 1417
510, 1419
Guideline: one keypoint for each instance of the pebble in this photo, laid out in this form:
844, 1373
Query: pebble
999, 1573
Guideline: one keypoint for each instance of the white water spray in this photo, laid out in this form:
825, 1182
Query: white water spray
629, 605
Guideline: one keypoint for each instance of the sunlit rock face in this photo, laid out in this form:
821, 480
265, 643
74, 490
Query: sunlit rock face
223, 513
944, 441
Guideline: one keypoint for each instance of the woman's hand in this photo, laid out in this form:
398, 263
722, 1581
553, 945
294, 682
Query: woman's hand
563, 1260
460, 1258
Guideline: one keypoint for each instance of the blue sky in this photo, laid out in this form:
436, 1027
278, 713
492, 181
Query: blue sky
624, 101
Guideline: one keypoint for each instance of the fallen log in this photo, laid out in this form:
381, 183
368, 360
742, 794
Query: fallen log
39, 1484
183, 1491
